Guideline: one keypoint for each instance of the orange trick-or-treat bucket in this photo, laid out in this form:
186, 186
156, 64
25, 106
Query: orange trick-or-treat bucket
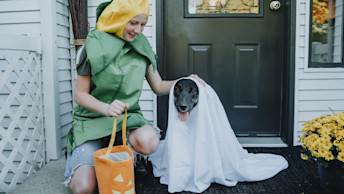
115, 165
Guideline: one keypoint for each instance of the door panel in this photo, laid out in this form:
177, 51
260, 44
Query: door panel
240, 57
199, 60
246, 76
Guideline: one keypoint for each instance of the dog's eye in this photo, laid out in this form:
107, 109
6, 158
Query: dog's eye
179, 87
191, 90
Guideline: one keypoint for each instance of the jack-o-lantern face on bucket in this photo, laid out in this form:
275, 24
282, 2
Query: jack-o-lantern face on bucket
122, 185
115, 175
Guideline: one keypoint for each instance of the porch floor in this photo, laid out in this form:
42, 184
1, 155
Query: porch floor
300, 177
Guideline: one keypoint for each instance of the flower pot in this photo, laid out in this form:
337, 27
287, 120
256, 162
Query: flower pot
332, 177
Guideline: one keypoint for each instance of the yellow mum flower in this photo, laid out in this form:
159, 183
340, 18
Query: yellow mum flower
338, 135
336, 142
329, 156
309, 144
326, 138
341, 146
312, 147
341, 123
341, 133
302, 139
304, 157
315, 154
325, 131
316, 145
327, 145
336, 118
313, 137
322, 152
306, 129
340, 156
316, 125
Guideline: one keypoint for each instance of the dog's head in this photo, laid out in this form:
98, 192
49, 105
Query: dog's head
185, 97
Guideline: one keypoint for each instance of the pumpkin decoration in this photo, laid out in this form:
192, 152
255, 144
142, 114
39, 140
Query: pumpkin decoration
126, 187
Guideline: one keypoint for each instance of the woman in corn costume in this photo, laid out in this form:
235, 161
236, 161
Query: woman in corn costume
109, 80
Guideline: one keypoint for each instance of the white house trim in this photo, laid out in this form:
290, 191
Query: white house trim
26, 43
50, 79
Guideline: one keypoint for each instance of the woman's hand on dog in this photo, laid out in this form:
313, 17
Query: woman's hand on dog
116, 108
200, 80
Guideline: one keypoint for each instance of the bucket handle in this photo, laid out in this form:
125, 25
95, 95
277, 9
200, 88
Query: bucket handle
113, 136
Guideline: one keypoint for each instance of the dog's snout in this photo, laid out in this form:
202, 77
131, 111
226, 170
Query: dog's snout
183, 108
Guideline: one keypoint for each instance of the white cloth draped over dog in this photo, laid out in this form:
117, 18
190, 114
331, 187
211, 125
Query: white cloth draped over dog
204, 149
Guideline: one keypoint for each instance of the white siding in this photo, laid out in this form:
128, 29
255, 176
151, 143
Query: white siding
20, 17
63, 27
148, 100
317, 90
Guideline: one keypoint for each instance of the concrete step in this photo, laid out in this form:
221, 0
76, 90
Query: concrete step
48, 179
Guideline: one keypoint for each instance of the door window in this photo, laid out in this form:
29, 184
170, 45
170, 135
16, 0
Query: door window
326, 37
223, 8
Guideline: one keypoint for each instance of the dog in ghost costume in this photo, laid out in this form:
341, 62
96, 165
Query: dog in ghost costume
205, 150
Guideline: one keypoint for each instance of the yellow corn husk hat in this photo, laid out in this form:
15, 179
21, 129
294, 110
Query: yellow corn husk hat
118, 13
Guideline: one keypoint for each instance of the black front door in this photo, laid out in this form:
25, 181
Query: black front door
239, 54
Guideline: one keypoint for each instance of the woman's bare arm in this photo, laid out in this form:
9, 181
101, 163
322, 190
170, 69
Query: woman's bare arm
159, 86
82, 97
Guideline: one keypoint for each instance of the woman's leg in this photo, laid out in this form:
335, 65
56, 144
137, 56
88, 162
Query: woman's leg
84, 180
80, 168
144, 140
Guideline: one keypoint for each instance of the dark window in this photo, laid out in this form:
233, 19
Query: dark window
326, 34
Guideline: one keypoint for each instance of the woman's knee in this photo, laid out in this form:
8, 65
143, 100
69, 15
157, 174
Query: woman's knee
151, 145
144, 140
84, 180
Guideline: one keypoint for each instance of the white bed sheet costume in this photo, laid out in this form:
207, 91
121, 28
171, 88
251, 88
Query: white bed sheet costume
205, 150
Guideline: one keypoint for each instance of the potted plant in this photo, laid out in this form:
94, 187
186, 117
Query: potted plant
323, 141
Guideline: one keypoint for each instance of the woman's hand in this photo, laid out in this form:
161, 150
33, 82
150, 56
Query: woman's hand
198, 79
116, 108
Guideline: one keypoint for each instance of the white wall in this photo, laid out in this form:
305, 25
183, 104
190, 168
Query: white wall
20, 17
316, 89
65, 70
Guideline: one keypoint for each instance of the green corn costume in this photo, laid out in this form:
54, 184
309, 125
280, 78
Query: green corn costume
118, 69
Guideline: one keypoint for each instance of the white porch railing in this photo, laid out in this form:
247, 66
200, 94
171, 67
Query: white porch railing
22, 150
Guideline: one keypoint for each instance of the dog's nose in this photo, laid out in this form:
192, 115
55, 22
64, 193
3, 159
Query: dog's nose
183, 108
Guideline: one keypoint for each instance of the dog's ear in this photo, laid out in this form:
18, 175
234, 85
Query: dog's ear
178, 87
